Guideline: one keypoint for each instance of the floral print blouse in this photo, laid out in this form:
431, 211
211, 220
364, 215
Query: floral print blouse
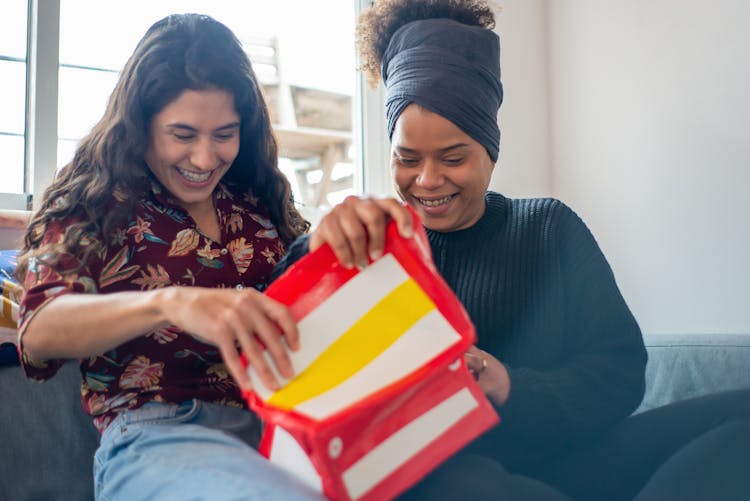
161, 246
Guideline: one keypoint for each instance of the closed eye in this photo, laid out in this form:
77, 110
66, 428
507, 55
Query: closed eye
453, 161
225, 136
408, 162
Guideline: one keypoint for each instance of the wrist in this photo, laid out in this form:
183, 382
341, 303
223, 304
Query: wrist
163, 303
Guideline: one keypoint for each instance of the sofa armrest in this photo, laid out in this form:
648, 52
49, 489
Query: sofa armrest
683, 366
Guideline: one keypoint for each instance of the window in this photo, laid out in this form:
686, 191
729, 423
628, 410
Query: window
307, 69
12, 99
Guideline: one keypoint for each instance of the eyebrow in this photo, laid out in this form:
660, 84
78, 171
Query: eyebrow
186, 127
403, 149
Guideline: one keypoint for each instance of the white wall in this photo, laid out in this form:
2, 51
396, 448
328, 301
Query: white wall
523, 168
650, 119
637, 114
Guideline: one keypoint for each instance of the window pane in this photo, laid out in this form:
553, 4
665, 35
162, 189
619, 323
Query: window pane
13, 28
65, 151
11, 151
83, 96
84, 21
12, 96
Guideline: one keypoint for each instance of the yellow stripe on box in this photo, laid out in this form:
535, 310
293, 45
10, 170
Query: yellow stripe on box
6, 298
372, 334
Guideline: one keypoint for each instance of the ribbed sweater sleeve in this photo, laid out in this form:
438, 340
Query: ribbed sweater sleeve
545, 303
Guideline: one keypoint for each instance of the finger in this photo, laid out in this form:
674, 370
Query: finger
374, 217
234, 364
355, 214
270, 335
474, 362
330, 231
255, 355
280, 314
399, 213
469, 360
473, 350
241, 324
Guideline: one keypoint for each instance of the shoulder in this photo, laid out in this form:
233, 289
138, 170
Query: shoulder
535, 210
550, 219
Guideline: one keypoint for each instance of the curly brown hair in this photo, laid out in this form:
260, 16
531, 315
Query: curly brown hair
99, 188
376, 25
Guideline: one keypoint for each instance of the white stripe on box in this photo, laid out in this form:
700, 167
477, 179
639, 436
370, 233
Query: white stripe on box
425, 340
334, 316
406, 443
288, 454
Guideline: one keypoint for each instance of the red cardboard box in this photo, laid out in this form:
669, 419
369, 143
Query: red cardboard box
381, 394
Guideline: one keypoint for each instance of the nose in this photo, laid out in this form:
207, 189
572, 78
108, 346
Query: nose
203, 155
430, 176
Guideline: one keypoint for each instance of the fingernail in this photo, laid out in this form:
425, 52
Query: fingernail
408, 232
375, 254
362, 265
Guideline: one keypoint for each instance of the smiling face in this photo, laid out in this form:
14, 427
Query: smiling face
192, 143
439, 170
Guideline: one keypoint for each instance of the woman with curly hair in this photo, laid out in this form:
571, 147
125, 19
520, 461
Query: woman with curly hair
558, 353
146, 260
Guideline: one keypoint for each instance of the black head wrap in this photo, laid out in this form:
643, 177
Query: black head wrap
449, 68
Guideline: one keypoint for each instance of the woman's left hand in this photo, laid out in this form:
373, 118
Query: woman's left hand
490, 373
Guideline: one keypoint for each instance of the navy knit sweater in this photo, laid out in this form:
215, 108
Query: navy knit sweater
545, 303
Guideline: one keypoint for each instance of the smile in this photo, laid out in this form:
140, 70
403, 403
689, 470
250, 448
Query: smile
194, 177
435, 203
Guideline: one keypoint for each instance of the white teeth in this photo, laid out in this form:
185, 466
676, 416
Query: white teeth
435, 203
194, 176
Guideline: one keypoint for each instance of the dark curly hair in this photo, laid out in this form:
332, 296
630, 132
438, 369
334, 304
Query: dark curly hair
376, 25
100, 187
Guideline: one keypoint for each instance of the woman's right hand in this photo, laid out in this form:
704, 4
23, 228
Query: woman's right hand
230, 319
355, 228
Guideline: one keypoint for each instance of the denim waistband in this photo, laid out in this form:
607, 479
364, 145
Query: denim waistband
150, 411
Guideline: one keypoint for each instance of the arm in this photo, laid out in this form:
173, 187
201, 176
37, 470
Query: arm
601, 379
80, 325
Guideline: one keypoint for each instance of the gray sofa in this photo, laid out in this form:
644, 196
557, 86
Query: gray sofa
47, 443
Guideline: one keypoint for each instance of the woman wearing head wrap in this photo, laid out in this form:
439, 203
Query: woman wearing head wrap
558, 353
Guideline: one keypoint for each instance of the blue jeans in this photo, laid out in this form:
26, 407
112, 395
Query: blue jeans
188, 452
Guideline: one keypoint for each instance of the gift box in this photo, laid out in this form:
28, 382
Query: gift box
381, 393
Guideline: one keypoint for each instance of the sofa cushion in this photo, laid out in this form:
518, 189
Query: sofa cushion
47, 444
10, 293
689, 365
